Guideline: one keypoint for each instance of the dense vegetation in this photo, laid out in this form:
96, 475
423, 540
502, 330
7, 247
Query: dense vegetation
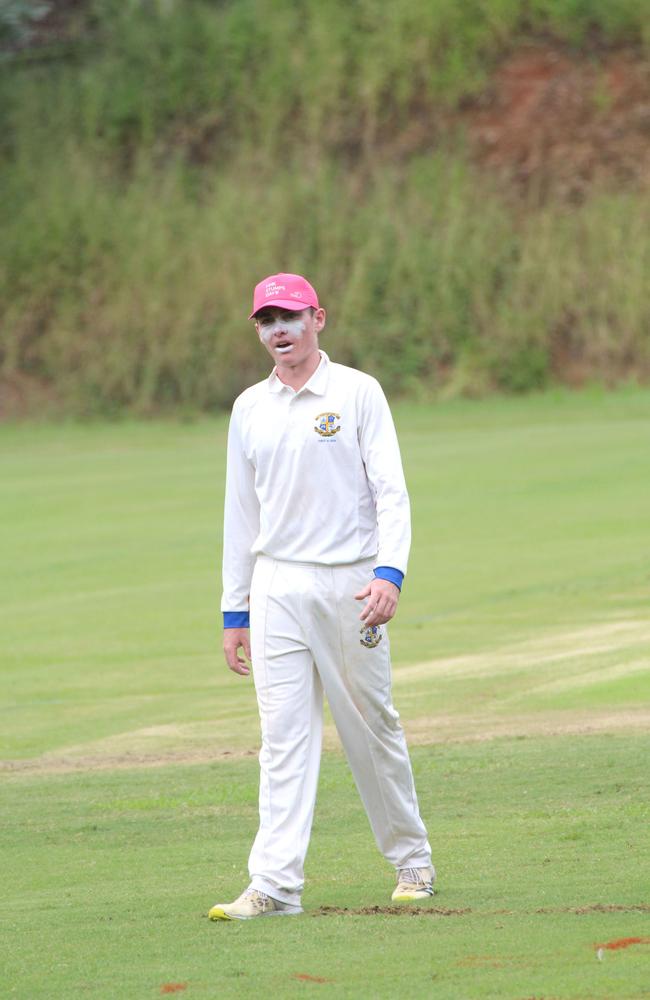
160, 157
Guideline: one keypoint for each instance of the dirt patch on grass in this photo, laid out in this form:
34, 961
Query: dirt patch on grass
438, 911
598, 908
390, 911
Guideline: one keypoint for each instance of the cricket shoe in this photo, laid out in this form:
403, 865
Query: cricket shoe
414, 884
253, 903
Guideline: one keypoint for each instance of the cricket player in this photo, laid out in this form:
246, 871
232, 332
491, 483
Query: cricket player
316, 542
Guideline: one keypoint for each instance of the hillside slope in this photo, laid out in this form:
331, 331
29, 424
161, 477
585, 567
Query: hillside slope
469, 188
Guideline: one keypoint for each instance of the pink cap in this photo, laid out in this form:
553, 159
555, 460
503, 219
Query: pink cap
287, 291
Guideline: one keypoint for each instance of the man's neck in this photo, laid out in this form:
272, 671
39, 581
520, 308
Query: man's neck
297, 376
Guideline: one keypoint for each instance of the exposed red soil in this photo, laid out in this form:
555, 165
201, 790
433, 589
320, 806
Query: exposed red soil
306, 978
563, 121
552, 122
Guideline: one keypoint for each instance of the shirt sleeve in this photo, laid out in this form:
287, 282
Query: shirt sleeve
241, 525
389, 573
383, 464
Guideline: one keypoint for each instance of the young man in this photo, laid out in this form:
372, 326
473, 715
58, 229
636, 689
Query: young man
316, 520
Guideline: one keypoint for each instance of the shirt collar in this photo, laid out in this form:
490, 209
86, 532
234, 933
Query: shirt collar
316, 384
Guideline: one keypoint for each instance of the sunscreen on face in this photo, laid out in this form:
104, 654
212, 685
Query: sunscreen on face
293, 328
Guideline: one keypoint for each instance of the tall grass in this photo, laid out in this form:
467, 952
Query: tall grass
135, 295
181, 151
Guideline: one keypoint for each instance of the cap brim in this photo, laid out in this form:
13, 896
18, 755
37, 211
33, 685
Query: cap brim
283, 304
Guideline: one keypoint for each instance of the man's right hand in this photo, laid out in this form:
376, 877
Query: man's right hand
233, 639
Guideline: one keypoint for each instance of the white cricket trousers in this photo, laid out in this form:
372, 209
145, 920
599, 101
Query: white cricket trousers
306, 638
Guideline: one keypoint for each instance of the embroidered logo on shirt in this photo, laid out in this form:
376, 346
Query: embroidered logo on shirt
326, 424
371, 636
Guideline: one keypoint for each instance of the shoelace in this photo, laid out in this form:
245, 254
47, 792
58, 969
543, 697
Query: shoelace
256, 892
410, 875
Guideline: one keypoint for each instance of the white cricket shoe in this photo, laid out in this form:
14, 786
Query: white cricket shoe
253, 903
414, 884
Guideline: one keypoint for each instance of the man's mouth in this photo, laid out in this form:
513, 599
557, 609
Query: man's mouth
283, 346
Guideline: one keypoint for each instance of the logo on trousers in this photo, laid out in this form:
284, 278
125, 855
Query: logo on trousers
326, 424
371, 637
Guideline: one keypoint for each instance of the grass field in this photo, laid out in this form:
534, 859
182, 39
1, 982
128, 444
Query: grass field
521, 672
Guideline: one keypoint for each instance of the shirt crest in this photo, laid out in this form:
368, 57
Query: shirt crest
326, 424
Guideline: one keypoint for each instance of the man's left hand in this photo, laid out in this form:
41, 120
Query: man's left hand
382, 602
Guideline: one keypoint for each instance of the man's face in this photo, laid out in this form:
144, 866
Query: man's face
289, 336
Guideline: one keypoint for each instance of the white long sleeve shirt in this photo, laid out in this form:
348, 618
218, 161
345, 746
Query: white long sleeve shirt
312, 476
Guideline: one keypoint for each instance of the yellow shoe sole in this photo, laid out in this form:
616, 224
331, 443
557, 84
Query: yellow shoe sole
413, 897
216, 913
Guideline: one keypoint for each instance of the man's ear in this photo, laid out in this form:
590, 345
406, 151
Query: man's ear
320, 316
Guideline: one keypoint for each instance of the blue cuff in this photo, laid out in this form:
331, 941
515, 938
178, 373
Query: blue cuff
390, 573
236, 619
